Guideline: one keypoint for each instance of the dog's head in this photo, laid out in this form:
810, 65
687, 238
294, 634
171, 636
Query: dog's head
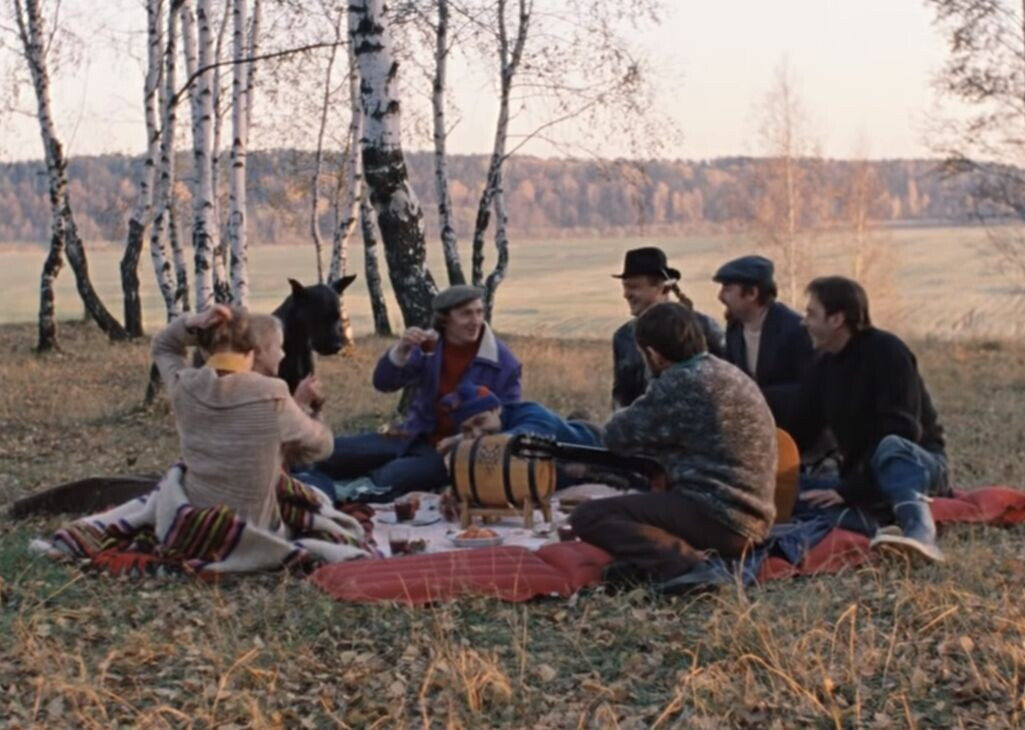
319, 309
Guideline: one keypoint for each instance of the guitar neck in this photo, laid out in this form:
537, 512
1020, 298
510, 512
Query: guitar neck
543, 447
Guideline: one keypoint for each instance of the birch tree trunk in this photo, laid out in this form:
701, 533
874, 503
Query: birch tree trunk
318, 162
222, 285
143, 211
509, 57
254, 45
399, 215
349, 191
32, 35
378, 305
449, 243
501, 246
202, 121
163, 203
237, 179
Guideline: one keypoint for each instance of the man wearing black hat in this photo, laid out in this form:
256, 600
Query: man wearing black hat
648, 280
764, 338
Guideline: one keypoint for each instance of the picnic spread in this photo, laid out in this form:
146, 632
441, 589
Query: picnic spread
510, 562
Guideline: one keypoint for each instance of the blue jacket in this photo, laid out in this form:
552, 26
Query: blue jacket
528, 417
494, 366
785, 354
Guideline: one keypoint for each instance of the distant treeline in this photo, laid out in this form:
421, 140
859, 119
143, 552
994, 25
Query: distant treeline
546, 197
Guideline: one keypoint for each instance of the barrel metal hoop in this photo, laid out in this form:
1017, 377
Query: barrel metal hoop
473, 470
507, 476
532, 480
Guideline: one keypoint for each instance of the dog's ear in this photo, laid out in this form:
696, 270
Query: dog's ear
340, 285
298, 290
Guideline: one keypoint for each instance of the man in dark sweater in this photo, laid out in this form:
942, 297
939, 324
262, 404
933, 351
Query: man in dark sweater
866, 388
764, 338
710, 428
648, 280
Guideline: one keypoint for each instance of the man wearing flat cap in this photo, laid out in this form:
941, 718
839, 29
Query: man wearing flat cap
648, 280
459, 348
764, 338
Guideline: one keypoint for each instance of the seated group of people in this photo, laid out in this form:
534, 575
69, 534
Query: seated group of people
703, 403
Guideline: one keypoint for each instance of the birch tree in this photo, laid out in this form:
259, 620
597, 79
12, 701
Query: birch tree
575, 65
142, 213
349, 189
399, 215
222, 284
984, 75
368, 227
439, 85
347, 199
788, 194
203, 227
64, 232
318, 162
239, 142
510, 54
169, 268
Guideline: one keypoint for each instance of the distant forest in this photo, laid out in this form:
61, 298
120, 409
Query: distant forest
546, 197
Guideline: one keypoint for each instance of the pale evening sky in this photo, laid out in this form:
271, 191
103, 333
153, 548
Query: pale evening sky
863, 69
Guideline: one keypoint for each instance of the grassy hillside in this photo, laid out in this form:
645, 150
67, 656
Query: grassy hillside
881, 646
944, 282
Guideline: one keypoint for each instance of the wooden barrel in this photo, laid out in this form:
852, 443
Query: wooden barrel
487, 473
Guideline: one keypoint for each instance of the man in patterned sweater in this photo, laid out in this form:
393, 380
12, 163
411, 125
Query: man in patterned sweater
709, 426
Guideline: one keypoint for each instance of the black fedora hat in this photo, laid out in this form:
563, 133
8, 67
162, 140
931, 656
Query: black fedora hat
647, 261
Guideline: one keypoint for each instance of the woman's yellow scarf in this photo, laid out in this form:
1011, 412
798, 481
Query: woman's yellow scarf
231, 362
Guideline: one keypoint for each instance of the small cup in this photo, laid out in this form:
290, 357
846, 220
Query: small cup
428, 345
566, 533
398, 542
404, 510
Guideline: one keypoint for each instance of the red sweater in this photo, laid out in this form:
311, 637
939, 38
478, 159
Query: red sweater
455, 359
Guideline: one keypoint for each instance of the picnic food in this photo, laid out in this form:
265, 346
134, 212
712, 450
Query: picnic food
476, 533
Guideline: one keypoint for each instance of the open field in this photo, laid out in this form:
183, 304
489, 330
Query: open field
947, 283
884, 646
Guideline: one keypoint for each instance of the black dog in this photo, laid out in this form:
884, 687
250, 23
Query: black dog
311, 320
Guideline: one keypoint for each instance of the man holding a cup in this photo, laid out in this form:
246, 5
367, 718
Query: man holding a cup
460, 347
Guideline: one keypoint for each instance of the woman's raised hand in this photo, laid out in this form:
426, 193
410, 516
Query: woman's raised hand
209, 317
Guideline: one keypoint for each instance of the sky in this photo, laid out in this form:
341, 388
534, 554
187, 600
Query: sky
863, 69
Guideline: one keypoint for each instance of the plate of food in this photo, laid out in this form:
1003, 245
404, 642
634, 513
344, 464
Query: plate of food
474, 537
421, 518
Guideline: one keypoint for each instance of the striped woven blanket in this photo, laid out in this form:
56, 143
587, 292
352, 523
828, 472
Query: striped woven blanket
162, 529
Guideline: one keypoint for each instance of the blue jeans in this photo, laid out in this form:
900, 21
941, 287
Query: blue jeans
386, 460
902, 470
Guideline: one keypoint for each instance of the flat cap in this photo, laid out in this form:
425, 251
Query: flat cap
746, 270
454, 296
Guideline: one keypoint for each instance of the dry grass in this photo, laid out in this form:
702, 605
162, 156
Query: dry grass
881, 646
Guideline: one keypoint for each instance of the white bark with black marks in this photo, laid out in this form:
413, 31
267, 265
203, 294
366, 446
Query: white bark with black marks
399, 215
32, 34
510, 53
203, 227
378, 305
222, 285
348, 196
163, 205
142, 213
237, 178
318, 162
449, 242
